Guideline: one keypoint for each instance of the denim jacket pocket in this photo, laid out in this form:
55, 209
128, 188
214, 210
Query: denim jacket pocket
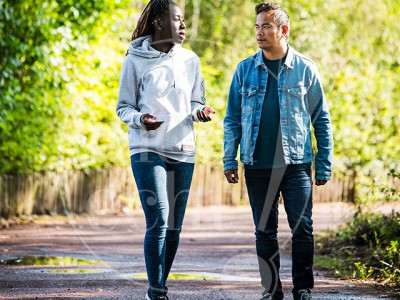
249, 97
296, 96
248, 91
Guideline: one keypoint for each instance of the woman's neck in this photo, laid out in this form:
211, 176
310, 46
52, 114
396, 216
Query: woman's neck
161, 46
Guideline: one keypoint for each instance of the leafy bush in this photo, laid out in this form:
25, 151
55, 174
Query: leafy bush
43, 66
366, 247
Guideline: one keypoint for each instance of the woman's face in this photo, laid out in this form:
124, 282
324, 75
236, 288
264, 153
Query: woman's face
172, 26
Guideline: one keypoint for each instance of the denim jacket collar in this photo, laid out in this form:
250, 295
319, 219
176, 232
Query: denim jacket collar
259, 58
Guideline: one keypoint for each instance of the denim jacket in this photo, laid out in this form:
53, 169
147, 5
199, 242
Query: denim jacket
302, 102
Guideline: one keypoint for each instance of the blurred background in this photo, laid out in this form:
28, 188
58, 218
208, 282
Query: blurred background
64, 151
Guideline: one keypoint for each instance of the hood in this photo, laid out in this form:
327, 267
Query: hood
142, 47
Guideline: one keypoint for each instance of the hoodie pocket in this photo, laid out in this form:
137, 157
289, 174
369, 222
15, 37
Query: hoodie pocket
175, 135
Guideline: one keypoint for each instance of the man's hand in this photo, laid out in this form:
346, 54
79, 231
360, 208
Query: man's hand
205, 114
150, 122
232, 176
320, 182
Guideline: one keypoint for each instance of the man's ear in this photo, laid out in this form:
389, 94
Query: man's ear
285, 30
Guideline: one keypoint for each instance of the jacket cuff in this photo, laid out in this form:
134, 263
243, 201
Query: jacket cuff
323, 175
230, 165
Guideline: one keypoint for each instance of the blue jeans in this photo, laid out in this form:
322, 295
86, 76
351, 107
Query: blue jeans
264, 187
163, 186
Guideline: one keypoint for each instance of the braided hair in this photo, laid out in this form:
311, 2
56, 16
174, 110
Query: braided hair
153, 10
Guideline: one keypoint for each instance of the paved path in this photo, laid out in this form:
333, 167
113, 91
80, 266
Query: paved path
216, 258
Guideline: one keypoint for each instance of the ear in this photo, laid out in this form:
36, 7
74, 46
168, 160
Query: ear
285, 30
157, 24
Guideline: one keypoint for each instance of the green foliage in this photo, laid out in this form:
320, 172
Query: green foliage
362, 75
47, 67
366, 247
96, 137
374, 188
60, 62
27, 84
355, 48
216, 38
372, 230
40, 41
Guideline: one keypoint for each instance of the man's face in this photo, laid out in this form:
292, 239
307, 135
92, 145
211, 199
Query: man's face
173, 25
268, 34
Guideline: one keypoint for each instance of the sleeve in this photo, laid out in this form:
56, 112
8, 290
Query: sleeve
321, 121
232, 125
127, 105
198, 100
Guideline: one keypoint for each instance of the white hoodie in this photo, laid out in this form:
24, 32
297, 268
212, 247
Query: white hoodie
168, 86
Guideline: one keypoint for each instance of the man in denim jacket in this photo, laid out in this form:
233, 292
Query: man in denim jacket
274, 97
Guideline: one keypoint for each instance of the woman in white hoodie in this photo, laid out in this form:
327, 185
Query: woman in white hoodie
161, 95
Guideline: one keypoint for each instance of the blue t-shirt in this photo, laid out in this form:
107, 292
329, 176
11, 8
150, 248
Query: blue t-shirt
268, 153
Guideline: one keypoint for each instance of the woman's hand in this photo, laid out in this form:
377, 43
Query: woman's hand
205, 114
150, 122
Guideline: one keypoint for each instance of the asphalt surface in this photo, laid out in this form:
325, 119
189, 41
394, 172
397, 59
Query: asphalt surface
216, 259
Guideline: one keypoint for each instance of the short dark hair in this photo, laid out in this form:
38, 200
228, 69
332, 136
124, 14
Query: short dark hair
281, 17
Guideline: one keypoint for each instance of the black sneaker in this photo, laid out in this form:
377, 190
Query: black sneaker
302, 295
159, 297
267, 296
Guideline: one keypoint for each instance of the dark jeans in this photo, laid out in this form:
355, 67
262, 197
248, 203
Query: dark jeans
163, 186
264, 187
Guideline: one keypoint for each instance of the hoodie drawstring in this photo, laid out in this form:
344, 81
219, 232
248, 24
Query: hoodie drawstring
154, 64
173, 71
160, 56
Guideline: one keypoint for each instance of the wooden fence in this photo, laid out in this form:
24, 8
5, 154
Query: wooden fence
110, 190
